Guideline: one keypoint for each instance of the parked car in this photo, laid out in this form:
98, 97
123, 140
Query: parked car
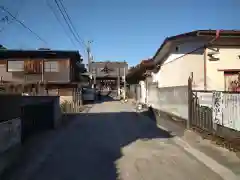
88, 94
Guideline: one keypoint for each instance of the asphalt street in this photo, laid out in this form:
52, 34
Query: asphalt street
111, 142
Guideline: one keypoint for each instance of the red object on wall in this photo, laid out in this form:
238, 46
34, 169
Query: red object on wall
238, 89
218, 33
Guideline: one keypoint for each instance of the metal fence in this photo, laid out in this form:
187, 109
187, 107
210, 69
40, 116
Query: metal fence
209, 109
230, 111
217, 112
200, 114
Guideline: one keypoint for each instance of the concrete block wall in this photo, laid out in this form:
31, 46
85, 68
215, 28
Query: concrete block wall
172, 100
10, 142
11, 130
9, 105
57, 112
45, 107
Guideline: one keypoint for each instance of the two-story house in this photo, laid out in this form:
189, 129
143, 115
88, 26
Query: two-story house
40, 65
212, 57
59, 69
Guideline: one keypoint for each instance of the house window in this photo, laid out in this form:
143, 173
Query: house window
51, 66
232, 81
176, 48
33, 66
15, 66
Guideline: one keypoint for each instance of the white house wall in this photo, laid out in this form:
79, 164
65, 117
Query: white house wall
228, 59
154, 77
143, 92
175, 72
184, 48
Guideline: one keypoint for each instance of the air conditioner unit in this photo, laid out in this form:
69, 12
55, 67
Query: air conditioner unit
213, 52
214, 56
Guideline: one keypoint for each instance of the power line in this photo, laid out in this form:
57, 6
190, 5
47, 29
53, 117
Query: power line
59, 21
18, 11
23, 25
69, 26
65, 19
16, 15
3, 28
71, 23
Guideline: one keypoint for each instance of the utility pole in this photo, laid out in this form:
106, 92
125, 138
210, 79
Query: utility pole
124, 81
119, 84
89, 60
89, 55
42, 69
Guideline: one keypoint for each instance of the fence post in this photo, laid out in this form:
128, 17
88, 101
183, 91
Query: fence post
22, 89
190, 104
79, 94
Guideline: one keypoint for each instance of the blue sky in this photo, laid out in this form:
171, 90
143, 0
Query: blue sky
129, 30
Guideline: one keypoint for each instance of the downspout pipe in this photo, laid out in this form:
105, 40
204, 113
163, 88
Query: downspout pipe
205, 68
205, 57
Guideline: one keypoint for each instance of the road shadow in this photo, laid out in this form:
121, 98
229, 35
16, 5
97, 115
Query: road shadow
200, 139
101, 99
104, 135
178, 125
90, 146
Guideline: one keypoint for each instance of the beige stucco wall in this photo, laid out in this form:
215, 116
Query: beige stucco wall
177, 72
65, 94
228, 59
62, 75
178, 64
143, 92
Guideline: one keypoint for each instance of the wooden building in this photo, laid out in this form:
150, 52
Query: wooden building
109, 73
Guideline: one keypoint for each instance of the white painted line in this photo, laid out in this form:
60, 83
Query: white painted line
219, 169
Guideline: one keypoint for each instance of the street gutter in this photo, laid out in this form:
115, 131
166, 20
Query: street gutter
209, 162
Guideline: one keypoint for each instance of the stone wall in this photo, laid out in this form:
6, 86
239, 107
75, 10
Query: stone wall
9, 105
10, 141
57, 113
39, 113
37, 108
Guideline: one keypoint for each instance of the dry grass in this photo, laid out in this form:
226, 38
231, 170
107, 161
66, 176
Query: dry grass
230, 144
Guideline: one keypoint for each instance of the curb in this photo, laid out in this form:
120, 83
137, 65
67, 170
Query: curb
219, 169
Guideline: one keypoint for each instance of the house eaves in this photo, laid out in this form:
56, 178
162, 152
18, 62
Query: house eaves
138, 72
198, 33
53, 54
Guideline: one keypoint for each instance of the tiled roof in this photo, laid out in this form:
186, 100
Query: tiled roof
13, 53
206, 33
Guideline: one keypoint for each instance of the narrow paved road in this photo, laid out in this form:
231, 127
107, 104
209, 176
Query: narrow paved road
113, 142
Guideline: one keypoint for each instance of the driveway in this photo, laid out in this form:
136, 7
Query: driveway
113, 142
